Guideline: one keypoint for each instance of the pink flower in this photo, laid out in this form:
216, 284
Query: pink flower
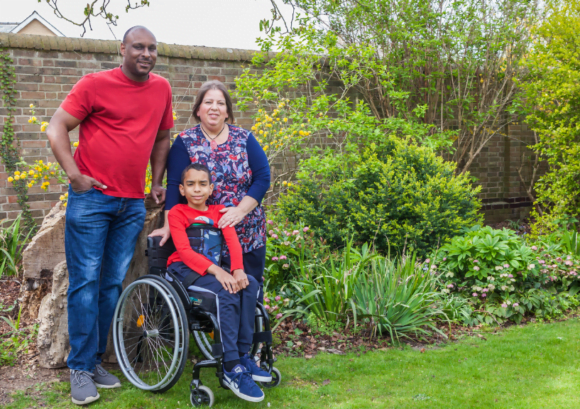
510, 276
286, 266
541, 262
450, 286
286, 233
274, 236
428, 260
559, 259
266, 299
504, 305
476, 268
279, 315
474, 294
263, 278
274, 258
476, 261
278, 298
534, 248
444, 258
485, 290
506, 265
271, 232
516, 304
568, 262
305, 229
295, 232
283, 257
267, 307
270, 222
484, 295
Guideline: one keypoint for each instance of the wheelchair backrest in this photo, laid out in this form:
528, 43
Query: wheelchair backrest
204, 239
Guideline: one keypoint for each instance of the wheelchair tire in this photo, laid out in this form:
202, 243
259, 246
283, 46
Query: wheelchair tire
204, 341
276, 378
200, 396
151, 334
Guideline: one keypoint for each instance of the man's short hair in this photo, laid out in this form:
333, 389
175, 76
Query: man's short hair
195, 166
133, 29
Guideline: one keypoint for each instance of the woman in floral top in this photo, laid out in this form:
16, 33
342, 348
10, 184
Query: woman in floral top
239, 168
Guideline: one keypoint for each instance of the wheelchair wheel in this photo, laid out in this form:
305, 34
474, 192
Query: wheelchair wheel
200, 396
205, 340
276, 378
150, 334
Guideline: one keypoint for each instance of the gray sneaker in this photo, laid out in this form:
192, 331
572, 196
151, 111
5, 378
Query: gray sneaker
82, 387
104, 379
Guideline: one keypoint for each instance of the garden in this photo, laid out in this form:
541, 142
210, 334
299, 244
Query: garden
384, 284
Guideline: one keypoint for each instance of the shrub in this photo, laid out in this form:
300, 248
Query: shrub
394, 195
504, 279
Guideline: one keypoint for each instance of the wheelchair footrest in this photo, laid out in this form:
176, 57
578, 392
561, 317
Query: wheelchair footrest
265, 336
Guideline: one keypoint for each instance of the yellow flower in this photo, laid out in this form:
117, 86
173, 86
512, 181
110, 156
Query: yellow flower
76, 144
306, 133
10, 179
30, 184
61, 197
266, 147
294, 133
31, 105
259, 110
40, 162
64, 205
30, 121
301, 133
261, 132
254, 128
289, 184
23, 175
31, 172
302, 126
46, 177
284, 183
265, 134
174, 116
17, 173
33, 119
285, 119
66, 194
269, 125
16, 177
52, 173
43, 128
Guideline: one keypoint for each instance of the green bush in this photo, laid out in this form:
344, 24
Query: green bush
504, 278
395, 195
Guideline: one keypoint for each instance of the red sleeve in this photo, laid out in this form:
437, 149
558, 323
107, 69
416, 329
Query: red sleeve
80, 100
234, 246
177, 225
167, 120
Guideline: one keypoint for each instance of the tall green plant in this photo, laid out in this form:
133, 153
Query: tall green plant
399, 298
11, 247
552, 104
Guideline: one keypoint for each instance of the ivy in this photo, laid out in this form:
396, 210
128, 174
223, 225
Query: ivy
9, 144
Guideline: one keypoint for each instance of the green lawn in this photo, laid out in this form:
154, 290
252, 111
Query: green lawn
536, 366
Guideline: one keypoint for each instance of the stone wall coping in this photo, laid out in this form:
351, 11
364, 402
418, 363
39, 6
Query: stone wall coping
85, 45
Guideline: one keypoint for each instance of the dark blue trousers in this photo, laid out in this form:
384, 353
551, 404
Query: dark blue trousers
235, 314
254, 264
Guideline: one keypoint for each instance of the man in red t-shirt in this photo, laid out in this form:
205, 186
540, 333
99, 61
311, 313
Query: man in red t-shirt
125, 116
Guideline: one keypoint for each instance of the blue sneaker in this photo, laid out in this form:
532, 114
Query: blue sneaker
258, 374
242, 385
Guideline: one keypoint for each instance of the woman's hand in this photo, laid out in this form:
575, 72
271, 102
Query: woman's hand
241, 278
163, 232
231, 216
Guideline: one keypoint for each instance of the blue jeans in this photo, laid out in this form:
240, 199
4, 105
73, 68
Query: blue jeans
100, 236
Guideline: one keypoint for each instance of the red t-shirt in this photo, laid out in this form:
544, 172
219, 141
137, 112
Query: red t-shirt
180, 217
120, 120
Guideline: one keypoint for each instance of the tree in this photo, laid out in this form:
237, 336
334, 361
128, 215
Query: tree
95, 9
455, 61
552, 104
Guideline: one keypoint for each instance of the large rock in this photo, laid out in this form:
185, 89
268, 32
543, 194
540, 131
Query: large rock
53, 343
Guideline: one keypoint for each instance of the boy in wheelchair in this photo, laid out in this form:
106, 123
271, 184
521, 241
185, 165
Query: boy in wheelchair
197, 264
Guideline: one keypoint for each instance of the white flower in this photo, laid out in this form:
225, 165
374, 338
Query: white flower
531, 266
449, 274
498, 268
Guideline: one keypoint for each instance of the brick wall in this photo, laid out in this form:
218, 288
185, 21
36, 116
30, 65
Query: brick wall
48, 67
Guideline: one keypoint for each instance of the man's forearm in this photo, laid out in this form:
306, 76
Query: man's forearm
60, 145
159, 159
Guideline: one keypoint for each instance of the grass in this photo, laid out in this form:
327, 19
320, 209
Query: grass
536, 366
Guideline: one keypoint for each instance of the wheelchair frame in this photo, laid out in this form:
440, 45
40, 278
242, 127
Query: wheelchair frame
197, 320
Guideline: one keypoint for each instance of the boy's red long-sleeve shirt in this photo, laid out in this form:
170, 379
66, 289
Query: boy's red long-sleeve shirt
180, 217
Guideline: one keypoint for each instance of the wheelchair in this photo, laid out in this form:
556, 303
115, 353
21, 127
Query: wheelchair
152, 324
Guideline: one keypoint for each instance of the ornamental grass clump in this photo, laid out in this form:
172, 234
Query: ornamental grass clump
399, 298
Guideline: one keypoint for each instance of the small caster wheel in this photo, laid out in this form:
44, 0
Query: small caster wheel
276, 378
201, 395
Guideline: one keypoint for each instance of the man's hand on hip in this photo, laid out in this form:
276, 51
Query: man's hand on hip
82, 183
